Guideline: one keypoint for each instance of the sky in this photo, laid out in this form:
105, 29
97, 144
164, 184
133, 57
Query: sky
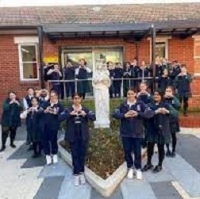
8, 3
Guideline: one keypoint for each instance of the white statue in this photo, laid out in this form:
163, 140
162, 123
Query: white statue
101, 83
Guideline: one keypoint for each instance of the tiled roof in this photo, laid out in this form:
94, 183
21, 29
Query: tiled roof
135, 13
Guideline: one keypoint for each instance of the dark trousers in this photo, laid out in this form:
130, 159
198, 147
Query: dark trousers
37, 147
49, 141
5, 132
132, 144
78, 151
150, 152
70, 89
174, 141
117, 87
28, 136
185, 103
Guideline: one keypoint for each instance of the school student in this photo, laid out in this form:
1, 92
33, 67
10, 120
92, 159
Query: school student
117, 79
182, 82
10, 119
144, 96
126, 76
158, 131
77, 134
131, 114
69, 74
33, 117
174, 119
51, 109
55, 75
82, 73
27, 105
164, 81
111, 74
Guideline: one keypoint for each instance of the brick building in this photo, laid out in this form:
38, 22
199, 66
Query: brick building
30, 35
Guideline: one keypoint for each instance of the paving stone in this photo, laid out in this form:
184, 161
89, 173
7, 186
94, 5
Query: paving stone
50, 188
165, 190
185, 174
69, 191
20, 153
58, 169
34, 162
116, 195
137, 189
189, 150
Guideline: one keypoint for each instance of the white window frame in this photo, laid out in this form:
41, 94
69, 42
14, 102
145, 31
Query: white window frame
161, 40
27, 41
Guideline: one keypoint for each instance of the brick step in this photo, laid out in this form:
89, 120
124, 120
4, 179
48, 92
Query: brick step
191, 121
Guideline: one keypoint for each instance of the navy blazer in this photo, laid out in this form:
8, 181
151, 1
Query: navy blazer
132, 127
71, 126
50, 120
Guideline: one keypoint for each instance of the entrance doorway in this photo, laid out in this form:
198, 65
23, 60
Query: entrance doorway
93, 56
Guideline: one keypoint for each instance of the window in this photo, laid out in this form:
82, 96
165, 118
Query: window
28, 62
160, 50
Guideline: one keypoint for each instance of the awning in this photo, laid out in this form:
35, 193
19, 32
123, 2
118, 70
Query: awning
181, 28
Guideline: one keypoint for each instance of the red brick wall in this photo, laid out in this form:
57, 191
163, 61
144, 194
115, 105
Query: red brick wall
9, 69
181, 50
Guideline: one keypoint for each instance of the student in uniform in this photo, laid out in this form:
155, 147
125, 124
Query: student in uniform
51, 109
134, 70
126, 76
27, 105
182, 83
82, 73
69, 74
175, 71
144, 96
44, 96
77, 134
111, 74
174, 120
158, 131
10, 119
131, 114
33, 124
117, 81
55, 75
164, 81
142, 73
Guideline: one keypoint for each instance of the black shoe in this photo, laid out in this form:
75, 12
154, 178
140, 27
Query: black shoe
35, 155
30, 148
147, 167
173, 154
13, 145
157, 169
2, 148
168, 153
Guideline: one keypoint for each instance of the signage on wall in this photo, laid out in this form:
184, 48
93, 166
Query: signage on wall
53, 59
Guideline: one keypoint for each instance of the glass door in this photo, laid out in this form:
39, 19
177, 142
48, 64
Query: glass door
104, 55
74, 57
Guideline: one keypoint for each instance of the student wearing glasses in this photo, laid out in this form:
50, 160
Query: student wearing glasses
131, 113
77, 117
51, 109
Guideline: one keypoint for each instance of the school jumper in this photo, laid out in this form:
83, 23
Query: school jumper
131, 130
77, 134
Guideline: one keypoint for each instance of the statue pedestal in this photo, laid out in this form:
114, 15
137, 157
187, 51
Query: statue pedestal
101, 125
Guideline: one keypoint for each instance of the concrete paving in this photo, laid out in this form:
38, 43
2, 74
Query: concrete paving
22, 177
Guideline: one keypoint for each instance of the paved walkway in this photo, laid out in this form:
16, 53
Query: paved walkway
22, 177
